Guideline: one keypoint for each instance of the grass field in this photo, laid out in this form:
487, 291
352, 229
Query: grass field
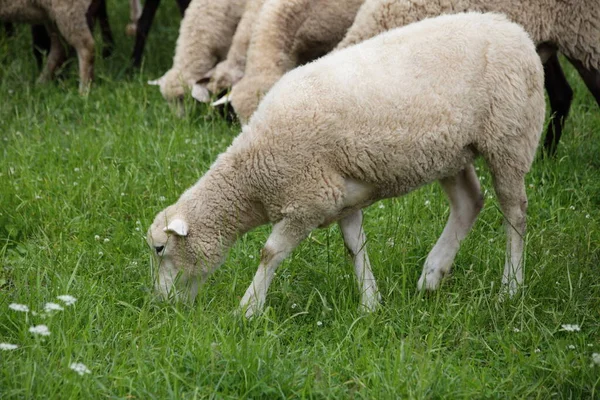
83, 177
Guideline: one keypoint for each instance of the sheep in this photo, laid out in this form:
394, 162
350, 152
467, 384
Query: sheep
140, 23
61, 17
231, 70
569, 27
205, 35
373, 121
288, 33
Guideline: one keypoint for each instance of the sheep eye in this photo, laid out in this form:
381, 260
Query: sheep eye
159, 249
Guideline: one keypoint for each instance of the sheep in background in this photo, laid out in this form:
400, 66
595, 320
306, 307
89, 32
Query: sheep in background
231, 70
377, 120
571, 27
141, 21
204, 38
61, 17
288, 33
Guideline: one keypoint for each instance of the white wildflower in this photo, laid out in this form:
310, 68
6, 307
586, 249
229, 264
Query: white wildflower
427, 202
75, 183
76, 169
40, 330
381, 205
18, 307
100, 253
537, 350
571, 347
137, 228
516, 330
251, 256
67, 299
162, 198
587, 216
596, 358
80, 368
531, 186
570, 327
97, 237
8, 346
572, 208
122, 194
106, 240
49, 307
294, 305
319, 323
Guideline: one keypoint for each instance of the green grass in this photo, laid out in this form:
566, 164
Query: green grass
82, 178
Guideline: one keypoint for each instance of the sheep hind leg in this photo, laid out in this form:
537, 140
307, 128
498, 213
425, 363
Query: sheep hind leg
510, 189
355, 239
283, 240
77, 33
464, 193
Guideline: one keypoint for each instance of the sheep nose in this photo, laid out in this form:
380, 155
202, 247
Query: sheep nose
158, 249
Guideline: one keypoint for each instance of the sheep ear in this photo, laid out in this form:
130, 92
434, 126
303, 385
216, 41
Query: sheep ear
177, 227
200, 93
223, 100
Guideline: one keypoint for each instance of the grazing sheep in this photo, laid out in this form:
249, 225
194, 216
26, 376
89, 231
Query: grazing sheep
377, 120
571, 27
142, 23
231, 70
288, 33
61, 17
205, 35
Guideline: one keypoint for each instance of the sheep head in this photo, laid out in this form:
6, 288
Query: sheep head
248, 92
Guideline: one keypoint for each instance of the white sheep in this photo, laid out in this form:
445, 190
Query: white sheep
204, 38
231, 70
61, 17
570, 27
288, 33
373, 121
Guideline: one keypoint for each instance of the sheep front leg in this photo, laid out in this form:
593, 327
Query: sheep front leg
356, 242
464, 193
283, 240
56, 56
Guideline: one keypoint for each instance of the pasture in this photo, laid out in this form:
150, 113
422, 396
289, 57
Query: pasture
82, 177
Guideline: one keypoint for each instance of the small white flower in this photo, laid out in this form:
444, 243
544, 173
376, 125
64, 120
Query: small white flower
427, 202
596, 358
100, 253
537, 350
106, 240
76, 170
80, 368
294, 305
138, 222
571, 347
162, 198
251, 256
137, 228
75, 183
319, 323
122, 194
572, 208
587, 216
67, 299
531, 185
381, 205
570, 327
590, 345
390, 242
96, 237
38, 197
516, 330
49, 307
8, 346
40, 330
18, 307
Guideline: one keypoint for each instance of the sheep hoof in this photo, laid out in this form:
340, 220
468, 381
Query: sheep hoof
131, 29
430, 280
370, 303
